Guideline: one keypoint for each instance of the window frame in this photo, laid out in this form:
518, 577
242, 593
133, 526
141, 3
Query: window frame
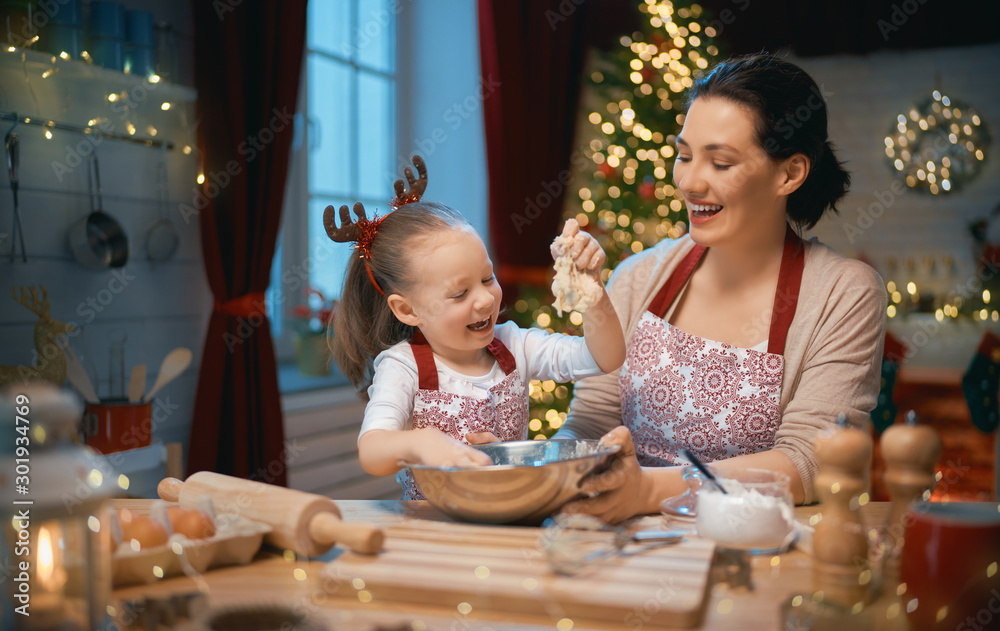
291, 277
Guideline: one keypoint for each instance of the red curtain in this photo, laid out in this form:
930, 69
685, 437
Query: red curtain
248, 58
535, 50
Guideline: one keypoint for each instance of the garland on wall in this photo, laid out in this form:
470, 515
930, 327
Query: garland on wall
937, 146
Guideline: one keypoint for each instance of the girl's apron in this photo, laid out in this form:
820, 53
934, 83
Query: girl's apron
504, 411
679, 390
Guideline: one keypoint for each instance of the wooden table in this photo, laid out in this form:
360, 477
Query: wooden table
297, 582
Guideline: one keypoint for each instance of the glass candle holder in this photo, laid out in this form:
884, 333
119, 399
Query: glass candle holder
56, 539
754, 514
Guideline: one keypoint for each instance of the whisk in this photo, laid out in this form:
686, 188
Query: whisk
572, 542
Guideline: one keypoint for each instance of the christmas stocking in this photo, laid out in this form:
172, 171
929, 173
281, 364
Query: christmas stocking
980, 383
884, 413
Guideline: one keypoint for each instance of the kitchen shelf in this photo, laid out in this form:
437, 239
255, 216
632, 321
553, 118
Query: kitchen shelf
52, 90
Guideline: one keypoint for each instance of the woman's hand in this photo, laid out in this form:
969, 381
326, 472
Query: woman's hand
587, 253
622, 490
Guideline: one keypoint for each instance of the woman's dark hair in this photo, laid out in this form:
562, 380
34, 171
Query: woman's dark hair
365, 325
791, 118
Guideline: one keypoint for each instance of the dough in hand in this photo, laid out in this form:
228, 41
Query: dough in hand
574, 290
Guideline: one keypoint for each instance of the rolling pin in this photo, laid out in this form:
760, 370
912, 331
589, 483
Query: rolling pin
305, 523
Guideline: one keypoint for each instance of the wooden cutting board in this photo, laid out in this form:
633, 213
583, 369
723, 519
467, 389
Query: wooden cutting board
495, 570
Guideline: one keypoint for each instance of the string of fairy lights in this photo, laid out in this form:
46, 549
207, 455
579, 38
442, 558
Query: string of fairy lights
122, 104
630, 202
938, 145
908, 297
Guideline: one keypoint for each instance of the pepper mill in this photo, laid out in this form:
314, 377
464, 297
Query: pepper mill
910, 452
840, 546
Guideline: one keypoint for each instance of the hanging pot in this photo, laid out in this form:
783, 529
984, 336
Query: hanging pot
163, 239
98, 241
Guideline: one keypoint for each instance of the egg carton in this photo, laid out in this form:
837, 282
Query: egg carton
235, 542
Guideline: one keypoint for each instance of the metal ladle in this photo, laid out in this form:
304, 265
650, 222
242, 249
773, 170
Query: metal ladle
98, 241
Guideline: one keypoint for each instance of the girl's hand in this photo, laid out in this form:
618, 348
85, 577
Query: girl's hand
587, 253
481, 438
437, 449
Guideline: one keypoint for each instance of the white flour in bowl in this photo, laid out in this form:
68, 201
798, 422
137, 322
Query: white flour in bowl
745, 518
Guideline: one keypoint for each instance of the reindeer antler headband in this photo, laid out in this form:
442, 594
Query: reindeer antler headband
362, 232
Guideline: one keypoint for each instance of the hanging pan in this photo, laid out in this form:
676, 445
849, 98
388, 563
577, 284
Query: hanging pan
98, 241
163, 239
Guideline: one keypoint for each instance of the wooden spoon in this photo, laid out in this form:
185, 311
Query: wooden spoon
136, 383
173, 364
77, 375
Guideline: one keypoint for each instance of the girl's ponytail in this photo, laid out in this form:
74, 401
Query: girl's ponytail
363, 328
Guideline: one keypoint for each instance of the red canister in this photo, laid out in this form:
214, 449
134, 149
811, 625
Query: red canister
111, 426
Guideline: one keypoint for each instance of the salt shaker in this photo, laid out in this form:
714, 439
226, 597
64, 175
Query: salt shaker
910, 452
840, 546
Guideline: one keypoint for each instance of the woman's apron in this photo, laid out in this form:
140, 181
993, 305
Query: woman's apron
682, 391
504, 411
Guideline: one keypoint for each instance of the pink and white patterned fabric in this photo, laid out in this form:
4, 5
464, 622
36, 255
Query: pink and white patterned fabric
682, 391
504, 411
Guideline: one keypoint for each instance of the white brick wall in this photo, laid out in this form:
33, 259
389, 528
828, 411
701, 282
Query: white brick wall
159, 305
918, 234
868, 92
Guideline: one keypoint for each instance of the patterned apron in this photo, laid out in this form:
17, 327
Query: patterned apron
679, 390
504, 412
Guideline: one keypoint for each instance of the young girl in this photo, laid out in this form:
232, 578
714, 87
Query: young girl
417, 335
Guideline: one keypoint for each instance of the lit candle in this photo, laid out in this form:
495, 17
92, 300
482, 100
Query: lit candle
46, 610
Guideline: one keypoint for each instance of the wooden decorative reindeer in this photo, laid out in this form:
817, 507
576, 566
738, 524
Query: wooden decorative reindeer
50, 364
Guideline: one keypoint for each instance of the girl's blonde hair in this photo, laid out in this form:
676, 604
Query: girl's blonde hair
365, 326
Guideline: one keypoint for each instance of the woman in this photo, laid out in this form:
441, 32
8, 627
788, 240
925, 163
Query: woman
744, 341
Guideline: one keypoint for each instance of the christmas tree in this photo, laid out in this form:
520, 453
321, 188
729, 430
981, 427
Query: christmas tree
628, 201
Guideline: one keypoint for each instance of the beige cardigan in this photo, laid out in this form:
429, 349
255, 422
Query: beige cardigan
833, 354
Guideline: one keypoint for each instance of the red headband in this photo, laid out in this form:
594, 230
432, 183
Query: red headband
363, 231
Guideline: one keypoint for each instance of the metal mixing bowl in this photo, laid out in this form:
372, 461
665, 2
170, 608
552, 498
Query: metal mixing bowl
528, 480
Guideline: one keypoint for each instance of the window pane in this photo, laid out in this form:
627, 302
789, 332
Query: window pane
331, 94
327, 260
376, 134
329, 27
375, 36
272, 299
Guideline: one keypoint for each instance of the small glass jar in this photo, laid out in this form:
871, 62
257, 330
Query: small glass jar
754, 514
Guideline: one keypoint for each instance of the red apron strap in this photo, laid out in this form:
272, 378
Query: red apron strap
668, 292
503, 356
786, 298
426, 367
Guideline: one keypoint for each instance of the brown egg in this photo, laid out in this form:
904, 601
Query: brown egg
141, 532
172, 513
193, 524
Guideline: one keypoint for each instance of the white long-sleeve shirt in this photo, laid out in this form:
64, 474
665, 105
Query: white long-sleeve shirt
537, 353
